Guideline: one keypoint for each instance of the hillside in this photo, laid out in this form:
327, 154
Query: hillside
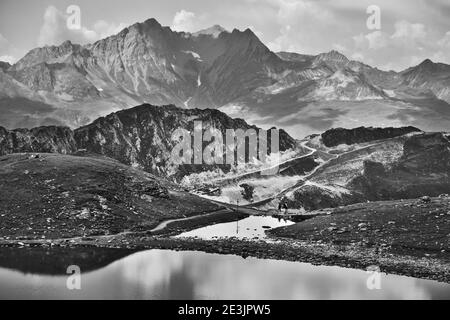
404, 227
48, 196
407, 166
140, 137
143, 136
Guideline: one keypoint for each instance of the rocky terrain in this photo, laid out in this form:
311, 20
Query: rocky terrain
416, 227
335, 137
406, 166
345, 166
423, 169
143, 136
234, 71
400, 237
140, 137
85, 201
50, 139
50, 196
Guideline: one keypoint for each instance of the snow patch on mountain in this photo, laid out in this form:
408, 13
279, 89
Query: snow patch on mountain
194, 54
186, 103
390, 93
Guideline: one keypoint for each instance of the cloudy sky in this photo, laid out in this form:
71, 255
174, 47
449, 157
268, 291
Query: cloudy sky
409, 30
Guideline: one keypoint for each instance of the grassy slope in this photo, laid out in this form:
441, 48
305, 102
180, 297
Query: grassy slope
55, 196
408, 227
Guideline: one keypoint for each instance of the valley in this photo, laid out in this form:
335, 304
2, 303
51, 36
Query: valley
84, 201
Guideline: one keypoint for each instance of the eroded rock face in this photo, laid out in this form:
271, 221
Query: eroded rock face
423, 170
427, 153
142, 136
312, 197
42, 139
149, 62
334, 137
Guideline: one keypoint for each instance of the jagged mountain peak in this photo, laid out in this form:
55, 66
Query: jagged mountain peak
47, 54
431, 66
212, 68
428, 65
149, 25
331, 60
427, 62
247, 32
152, 22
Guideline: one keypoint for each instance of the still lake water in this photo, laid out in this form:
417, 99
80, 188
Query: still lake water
252, 227
165, 274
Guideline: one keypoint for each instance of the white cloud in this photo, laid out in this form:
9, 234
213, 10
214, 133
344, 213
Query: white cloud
410, 31
184, 21
105, 29
339, 47
445, 41
408, 45
377, 39
407, 30
9, 59
54, 30
302, 26
357, 56
373, 40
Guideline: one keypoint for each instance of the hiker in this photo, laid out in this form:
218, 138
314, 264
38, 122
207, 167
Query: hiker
283, 205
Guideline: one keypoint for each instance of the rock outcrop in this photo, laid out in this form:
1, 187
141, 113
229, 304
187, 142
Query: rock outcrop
42, 139
334, 137
423, 170
140, 137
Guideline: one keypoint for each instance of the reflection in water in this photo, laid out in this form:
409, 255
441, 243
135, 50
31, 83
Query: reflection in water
163, 274
252, 227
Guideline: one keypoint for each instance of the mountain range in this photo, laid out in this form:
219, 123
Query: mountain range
140, 137
234, 72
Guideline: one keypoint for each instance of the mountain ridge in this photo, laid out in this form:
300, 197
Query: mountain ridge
149, 63
139, 137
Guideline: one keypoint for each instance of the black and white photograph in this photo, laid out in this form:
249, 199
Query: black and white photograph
252, 151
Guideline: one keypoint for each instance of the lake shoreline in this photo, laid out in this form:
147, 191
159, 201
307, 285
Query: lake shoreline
319, 245
285, 249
